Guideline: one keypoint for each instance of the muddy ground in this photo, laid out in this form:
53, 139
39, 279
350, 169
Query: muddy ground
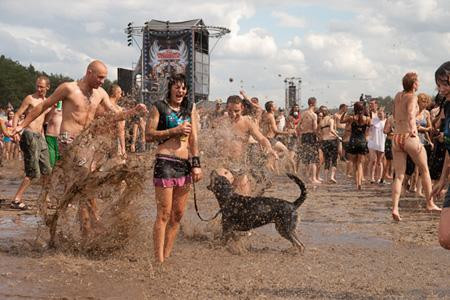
353, 250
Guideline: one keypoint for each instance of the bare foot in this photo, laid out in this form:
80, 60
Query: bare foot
433, 207
314, 181
332, 180
396, 216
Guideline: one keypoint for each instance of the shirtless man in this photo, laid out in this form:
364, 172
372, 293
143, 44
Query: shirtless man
32, 142
115, 93
270, 131
340, 129
80, 102
235, 145
406, 142
53, 120
308, 129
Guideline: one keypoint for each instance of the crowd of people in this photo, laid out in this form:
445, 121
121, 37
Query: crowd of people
405, 147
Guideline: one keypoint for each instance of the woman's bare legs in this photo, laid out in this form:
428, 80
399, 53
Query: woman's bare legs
164, 207
180, 197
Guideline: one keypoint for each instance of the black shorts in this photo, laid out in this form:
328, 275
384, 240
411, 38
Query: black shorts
330, 153
310, 148
410, 166
170, 171
436, 160
357, 146
388, 149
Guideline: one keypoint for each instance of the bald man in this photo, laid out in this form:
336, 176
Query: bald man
80, 102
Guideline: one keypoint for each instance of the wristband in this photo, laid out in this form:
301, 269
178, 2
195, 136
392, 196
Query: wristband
196, 162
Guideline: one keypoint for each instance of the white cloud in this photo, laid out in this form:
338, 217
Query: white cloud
256, 43
94, 27
367, 51
287, 20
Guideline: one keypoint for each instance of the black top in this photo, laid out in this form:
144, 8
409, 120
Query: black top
170, 118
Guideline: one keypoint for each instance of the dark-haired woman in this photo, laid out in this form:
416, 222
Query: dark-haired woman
173, 124
442, 77
357, 145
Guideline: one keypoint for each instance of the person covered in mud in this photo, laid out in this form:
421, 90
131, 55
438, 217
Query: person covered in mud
80, 99
405, 141
32, 142
173, 124
310, 144
270, 130
115, 93
235, 144
442, 77
53, 120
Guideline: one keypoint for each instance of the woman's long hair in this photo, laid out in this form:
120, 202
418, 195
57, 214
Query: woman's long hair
185, 107
358, 110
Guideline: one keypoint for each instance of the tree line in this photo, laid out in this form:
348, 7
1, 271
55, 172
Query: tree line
17, 81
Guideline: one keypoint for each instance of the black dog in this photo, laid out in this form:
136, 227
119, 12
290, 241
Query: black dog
242, 213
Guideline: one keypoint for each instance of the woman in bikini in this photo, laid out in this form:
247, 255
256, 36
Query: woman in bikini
405, 141
423, 122
357, 147
173, 124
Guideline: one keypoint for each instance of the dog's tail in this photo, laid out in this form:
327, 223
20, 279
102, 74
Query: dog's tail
302, 187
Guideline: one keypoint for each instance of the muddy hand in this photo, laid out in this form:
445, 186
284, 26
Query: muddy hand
197, 174
184, 129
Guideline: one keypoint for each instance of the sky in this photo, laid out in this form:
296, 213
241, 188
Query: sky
339, 49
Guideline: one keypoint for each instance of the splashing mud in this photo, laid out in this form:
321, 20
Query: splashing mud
95, 193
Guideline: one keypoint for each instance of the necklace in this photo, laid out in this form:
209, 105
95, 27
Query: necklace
173, 108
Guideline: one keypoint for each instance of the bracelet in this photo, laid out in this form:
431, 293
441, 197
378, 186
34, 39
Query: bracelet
196, 162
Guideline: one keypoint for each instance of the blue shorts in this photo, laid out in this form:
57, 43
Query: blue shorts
7, 139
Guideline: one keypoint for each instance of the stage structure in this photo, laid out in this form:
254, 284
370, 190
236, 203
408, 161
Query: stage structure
293, 87
173, 47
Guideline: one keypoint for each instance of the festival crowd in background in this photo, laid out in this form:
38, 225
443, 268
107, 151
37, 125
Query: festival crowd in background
405, 148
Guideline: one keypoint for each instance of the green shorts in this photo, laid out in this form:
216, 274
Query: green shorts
35, 154
52, 143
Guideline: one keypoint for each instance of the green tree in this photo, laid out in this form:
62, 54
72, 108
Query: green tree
17, 81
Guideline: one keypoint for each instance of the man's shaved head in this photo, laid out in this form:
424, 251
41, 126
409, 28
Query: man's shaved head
96, 74
96, 65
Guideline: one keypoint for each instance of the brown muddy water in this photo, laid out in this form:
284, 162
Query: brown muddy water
353, 250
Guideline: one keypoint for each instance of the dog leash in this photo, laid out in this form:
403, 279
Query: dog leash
196, 207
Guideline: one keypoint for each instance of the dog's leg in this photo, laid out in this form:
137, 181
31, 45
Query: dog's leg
296, 242
287, 230
227, 233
